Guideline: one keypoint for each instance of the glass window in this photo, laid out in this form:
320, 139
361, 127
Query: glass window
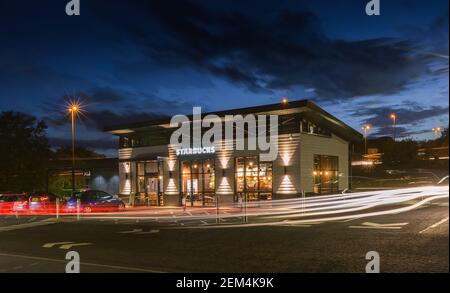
240, 179
151, 167
141, 169
326, 174
311, 128
209, 175
198, 181
253, 178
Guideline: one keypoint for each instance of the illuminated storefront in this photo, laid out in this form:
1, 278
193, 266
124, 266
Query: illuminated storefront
313, 158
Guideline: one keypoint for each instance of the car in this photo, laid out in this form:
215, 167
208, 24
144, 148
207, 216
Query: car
93, 201
43, 202
13, 202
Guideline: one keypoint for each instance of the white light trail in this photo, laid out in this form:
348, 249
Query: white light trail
298, 210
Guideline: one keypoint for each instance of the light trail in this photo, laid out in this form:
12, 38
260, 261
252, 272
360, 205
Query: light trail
284, 223
333, 207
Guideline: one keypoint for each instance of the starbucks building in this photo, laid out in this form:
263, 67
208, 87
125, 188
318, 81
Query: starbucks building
313, 158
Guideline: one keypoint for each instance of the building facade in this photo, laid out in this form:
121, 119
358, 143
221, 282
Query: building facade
314, 153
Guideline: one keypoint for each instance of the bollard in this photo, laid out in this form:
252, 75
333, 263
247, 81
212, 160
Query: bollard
217, 210
78, 209
245, 208
303, 201
57, 208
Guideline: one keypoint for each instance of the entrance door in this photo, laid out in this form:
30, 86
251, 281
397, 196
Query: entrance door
198, 182
152, 190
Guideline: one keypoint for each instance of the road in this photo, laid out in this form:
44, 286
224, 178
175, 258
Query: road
412, 241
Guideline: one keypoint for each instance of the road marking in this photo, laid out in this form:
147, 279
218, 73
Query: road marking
139, 232
69, 246
50, 245
434, 225
131, 231
296, 225
384, 225
83, 263
370, 225
25, 226
149, 232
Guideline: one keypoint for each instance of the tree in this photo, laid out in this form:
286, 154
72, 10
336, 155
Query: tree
24, 152
400, 152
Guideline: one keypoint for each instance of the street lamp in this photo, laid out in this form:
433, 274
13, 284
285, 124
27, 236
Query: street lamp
74, 108
436, 130
393, 117
366, 128
284, 101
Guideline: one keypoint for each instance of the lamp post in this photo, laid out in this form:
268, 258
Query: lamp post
366, 129
393, 117
436, 130
73, 109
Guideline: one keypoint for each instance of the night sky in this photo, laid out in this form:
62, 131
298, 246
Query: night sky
133, 60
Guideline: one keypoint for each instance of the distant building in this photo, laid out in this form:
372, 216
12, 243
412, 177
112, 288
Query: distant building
90, 173
433, 153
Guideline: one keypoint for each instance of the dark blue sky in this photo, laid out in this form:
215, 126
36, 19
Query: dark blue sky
134, 60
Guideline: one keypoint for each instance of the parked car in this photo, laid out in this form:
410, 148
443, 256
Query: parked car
43, 202
94, 201
13, 202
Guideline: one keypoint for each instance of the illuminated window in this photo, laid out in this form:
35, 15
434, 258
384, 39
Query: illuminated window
326, 174
198, 181
253, 178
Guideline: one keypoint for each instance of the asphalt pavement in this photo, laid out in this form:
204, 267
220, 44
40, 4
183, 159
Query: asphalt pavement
413, 241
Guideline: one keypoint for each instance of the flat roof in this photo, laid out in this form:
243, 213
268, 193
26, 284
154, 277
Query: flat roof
308, 108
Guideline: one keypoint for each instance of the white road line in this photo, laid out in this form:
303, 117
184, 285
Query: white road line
131, 232
374, 227
296, 225
149, 232
25, 226
50, 245
84, 263
434, 225
388, 226
139, 232
69, 246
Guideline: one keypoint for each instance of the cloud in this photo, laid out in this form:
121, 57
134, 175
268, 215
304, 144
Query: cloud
106, 106
275, 51
409, 118
104, 118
